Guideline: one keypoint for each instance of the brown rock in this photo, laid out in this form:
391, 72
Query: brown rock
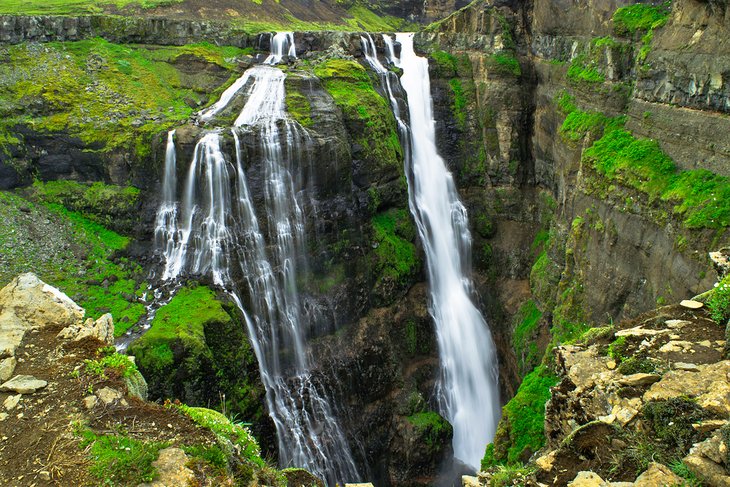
658, 475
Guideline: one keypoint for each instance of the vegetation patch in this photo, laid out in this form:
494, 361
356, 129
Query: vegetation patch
108, 205
236, 433
505, 62
640, 17
74, 7
671, 422
79, 256
298, 106
521, 430
393, 232
719, 301
431, 427
367, 114
523, 338
108, 95
583, 69
120, 460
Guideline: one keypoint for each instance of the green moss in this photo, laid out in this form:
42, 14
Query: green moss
527, 320
73, 7
431, 427
617, 349
236, 433
180, 322
393, 232
459, 106
579, 124
585, 70
639, 17
701, 197
120, 460
521, 430
367, 114
82, 258
108, 205
505, 62
672, 420
298, 107
638, 364
446, 63
109, 95
592, 335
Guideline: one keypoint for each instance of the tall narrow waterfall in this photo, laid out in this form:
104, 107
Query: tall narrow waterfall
468, 388
217, 228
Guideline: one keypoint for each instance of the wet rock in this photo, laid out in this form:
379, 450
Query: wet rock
658, 475
23, 384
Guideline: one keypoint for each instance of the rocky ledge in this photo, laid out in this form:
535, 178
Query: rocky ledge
643, 403
73, 412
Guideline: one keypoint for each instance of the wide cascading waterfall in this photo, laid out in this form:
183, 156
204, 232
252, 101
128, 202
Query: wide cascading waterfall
216, 227
468, 386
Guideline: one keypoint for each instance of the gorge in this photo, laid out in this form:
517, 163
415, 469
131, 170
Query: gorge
386, 251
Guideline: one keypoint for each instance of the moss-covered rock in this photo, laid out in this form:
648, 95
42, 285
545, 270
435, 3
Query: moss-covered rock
196, 350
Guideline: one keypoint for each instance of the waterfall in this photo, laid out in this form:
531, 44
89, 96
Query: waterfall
217, 228
468, 386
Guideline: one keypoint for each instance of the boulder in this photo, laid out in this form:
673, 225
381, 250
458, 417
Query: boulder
658, 475
107, 395
30, 302
23, 384
101, 329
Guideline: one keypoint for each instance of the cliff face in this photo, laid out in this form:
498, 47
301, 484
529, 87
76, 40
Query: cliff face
595, 143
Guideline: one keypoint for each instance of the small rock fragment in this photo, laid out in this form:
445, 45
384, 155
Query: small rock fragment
23, 384
640, 379
107, 395
687, 367
7, 366
691, 304
658, 475
11, 402
90, 402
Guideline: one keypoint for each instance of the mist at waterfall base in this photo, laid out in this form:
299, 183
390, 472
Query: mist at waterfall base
213, 229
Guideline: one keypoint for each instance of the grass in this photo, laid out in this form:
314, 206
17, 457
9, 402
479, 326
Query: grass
521, 431
584, 70
180, 322
108, 95
73, 253
366, 112
506, 63
73, 7
527, 320
394, 233
236, 433
718, 303
120, 460
640, 17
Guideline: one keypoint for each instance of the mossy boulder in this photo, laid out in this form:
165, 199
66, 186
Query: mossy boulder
197, 351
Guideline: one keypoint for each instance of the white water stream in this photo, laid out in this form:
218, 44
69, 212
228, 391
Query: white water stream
217, 227
468, 390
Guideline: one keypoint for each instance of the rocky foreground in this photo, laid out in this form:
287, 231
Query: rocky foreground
644, 403
73, 412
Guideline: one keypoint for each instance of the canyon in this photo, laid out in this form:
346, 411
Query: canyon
584, 146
